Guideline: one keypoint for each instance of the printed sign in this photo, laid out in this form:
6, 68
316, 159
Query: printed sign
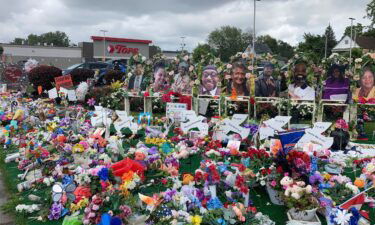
64, 81
175, 110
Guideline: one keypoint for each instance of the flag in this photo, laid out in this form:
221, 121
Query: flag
357, 202
290, 138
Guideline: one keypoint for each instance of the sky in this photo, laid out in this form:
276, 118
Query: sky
166, 21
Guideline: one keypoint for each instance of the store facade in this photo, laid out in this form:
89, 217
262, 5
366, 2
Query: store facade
119, 48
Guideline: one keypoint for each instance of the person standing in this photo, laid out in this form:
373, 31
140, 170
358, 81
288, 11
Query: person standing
336, 86
136, 80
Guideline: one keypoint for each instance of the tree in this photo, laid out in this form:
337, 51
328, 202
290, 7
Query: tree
56, 38
370, 11
1, 50
357, 30
329, 35
313, 45
227, 41
277, 47
201, 49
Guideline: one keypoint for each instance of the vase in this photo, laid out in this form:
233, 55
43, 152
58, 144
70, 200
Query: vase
274, 195
304, 215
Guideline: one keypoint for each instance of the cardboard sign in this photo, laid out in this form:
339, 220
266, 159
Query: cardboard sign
195, 122
314, 136
233, 125
269, 127
52, 94
63, 81
239, 118
72, 95
232, 144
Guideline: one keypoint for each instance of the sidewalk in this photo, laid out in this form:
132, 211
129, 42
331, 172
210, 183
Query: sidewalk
5, 219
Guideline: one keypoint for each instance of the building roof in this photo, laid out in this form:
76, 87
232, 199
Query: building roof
366, 42
113, 39
260, 48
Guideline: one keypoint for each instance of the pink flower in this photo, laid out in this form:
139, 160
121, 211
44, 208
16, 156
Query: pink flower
95, 207
273, 183
91, 102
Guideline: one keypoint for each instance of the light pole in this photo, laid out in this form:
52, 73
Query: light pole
182, 43
104, 31
351, 40
253, 47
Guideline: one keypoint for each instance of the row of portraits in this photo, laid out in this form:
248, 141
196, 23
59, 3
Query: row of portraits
336, 86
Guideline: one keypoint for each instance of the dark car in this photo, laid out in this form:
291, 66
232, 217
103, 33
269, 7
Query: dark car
101, 66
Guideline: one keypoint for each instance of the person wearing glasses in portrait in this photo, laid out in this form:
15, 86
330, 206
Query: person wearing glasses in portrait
210, 80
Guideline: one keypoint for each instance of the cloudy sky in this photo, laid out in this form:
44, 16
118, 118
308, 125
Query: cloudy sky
165, 21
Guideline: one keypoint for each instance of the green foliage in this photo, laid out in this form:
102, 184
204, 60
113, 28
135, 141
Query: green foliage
313, 46
330, 37
200, 51
278, 47
227, 41
1, 50
370, 11
57, 38
357, 30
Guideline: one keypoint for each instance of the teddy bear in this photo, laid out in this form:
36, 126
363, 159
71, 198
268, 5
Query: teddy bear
293, 188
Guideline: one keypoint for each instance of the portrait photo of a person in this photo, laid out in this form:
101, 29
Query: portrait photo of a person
136, 80
299, 89
337, 86
181, 82
238, 80
266, 85
210, 80
366, 83
160, 78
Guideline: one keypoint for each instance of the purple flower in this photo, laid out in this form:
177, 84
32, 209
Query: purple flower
168, 195
91, 102
55, 211
315, 179
126, 211
153, 150
103, 174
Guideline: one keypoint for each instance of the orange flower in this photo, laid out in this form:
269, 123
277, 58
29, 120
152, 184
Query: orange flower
82, 192
128, 176
187, 178
359, 183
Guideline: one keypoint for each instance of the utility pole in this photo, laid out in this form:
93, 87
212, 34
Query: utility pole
351, 40
253, 47
104, 48
183, 43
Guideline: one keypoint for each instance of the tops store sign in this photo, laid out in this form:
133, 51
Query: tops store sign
121, 48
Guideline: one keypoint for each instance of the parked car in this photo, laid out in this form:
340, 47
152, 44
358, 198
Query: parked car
101, 66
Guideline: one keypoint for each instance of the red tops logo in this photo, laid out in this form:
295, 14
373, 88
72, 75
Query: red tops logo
121, 49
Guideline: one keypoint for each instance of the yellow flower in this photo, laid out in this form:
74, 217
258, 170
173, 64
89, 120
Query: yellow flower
78, 148
196, 220
327, 176
51, 127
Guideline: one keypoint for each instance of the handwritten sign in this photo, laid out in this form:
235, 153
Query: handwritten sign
195, 122
64, 81
52, 94
314, 136
269, 127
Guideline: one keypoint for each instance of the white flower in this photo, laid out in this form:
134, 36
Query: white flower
229, 66
263, 183
197, 82
144, 58
358, 60
186, 57
244, 55
191, 68
342, 217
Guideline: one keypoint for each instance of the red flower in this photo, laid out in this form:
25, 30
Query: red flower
279, 170
362, 100
146, 94
164, 181
252, 100
244, 189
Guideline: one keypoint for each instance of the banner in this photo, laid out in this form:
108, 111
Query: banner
290, 138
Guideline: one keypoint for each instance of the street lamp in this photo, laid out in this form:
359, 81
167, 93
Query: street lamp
104, 31
253, 47
351, 40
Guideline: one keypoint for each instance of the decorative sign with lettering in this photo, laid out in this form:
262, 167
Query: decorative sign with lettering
176, 111
195, 122
63, 81
314, 136
269, 127
121, 49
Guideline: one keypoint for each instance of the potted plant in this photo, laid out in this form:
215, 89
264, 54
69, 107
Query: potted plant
298, 197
